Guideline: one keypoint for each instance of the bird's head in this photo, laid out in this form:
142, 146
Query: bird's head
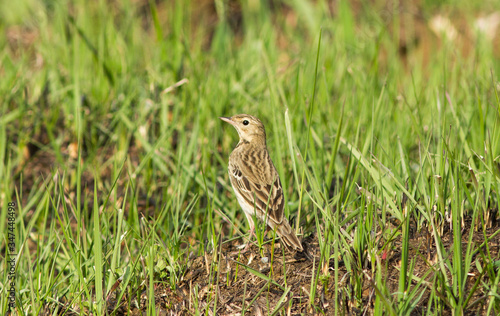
250, 129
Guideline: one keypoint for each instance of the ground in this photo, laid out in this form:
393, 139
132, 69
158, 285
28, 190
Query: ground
241, 281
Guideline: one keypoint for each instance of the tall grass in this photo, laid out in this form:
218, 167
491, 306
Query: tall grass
381, 129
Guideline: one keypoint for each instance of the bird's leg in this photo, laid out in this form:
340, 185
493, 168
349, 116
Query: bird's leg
268, 229
251, 224
250, 235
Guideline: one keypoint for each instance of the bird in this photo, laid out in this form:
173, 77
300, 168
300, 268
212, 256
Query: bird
256, 182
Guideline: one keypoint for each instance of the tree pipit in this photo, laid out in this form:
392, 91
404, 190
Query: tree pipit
255, 180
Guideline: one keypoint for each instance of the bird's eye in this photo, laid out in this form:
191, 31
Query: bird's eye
245, 122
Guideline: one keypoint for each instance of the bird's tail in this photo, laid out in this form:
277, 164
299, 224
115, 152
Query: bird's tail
288, 236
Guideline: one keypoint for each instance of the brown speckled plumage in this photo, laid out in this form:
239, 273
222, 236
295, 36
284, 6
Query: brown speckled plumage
255, 180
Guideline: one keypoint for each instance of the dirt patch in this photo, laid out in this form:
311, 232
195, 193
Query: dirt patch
227, 282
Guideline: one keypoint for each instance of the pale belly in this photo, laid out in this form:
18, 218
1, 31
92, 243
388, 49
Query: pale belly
249, 210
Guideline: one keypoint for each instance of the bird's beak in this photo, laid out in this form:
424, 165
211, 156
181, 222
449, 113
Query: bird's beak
227, 120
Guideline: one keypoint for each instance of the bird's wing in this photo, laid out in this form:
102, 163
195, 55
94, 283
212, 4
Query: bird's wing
259, 186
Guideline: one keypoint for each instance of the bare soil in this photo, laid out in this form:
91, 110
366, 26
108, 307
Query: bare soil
233, 284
